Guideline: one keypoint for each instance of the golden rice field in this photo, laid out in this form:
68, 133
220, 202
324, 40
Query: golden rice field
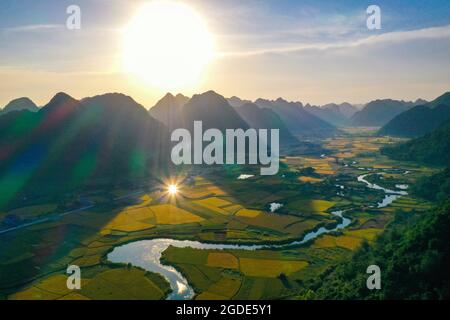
209, 296
205, 211
322, 166
232, 209
226, 287
327, 241
248, 213
269, 221
366, 234
52, 288
170, 214
309, 179
311, 205
270, 268
222, 260
214, 204
114, 284
122, 284
346, 154
131, 220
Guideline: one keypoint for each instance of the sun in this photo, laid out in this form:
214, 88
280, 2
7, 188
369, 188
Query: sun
168, 45
173, 189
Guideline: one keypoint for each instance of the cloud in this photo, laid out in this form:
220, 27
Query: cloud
388, 37
33, 28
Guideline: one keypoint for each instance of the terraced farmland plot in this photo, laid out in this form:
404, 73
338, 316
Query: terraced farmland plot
169, 214
214, 204
269, 268
132, 220
222, 260
311, 206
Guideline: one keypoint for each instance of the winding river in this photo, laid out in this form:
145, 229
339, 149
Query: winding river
147, 253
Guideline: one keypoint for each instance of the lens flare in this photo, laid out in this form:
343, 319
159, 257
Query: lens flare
172, 189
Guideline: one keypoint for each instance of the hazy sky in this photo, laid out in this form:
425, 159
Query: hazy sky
311, 51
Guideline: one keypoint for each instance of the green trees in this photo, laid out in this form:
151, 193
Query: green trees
431, 149
434, 188
414, 257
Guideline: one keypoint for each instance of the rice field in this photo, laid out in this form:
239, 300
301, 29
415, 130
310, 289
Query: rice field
309, 179
222, 260
269, 268
248, 213
311, 206
215, 208
170, 214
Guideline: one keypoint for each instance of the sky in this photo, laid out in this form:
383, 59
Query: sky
313, 51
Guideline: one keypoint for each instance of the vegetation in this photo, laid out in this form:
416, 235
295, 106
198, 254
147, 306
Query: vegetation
435, 187
430, 149
70, 145
413, 255
212, 205
420, 120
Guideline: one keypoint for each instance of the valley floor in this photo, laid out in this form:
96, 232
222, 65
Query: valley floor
213, 205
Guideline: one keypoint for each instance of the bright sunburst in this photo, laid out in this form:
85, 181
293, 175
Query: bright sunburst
172, 189
168, 45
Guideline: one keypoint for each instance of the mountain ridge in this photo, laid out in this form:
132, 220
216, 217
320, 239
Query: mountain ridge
379, 112
420, 120
20, 104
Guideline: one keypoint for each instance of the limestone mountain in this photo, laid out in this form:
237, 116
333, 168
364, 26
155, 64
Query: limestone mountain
297, 119
20, 104
379, 112
335, 114
70, 142
421, 119
237, 102
168, 110
262, 118
213, 110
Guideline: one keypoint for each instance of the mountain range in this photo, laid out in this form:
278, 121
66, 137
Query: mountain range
213, 110
421, 119
217, 112
258, 118
335, 114
69, 142
20, 104
111, 137
168, 110
299, 121
379, 112
432, 148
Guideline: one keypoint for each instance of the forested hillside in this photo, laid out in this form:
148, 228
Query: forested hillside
431, 149
413, 253
414, 257
420, 120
